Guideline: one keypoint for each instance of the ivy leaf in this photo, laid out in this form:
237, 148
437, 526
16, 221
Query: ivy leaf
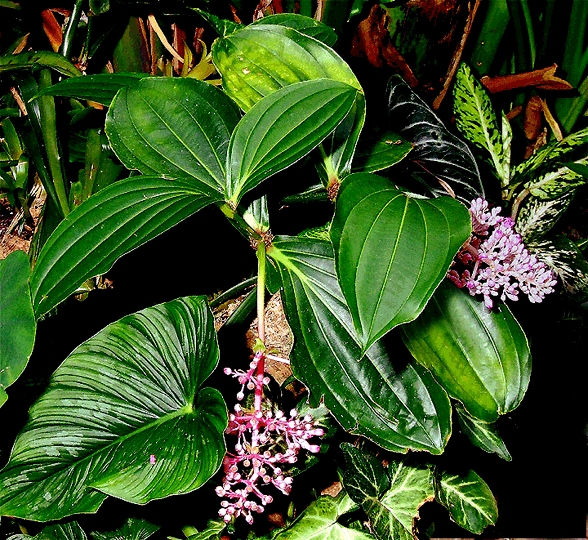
476, 120
392, 251
482, 434
469, 501
399, 409
439, 152
126, 415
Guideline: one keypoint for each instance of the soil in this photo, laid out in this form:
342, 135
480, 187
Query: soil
15, 233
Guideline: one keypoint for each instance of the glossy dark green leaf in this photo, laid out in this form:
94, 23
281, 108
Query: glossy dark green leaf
392, 250
38, 59
482, 434
213, 531
393, 508
447, 158
281, 129
481, 357
109, 224
71, 530
469, 501
173, 127
17, 319
398, 408
320, 521
380, 152
479, 124
98, 87
305, 25
126, 414
133, 529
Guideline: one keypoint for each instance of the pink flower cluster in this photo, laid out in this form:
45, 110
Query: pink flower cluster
265, 442
494, 261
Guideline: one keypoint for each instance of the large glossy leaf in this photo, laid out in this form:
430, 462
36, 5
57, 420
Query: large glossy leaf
399, 408
126, 414
320, 521
469, 501
380, 152
173, 127
481, 357
392, 505
282, 128
17, 319
109, 224
392, 250
477, 121
447, 158
305, 25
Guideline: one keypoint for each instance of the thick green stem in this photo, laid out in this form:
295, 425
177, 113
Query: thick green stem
70, 31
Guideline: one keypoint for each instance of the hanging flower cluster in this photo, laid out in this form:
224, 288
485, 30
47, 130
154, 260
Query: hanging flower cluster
494, 261
266, 443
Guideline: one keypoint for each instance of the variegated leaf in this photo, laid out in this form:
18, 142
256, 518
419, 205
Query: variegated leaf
476, 119
555, 181
536, 217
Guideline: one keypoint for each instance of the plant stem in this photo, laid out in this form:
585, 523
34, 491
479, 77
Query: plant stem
69, 34
261, 275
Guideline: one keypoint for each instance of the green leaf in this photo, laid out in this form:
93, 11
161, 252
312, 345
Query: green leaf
62, 531
133, 529
281, 129
32, 59
391, 506
125, 415
553, 182
392, 251
305, 25
447, 159
98, 87
320, 521
536, 217
481, 357
477, 121
482, 434
17, 319
173, 127
380, 152
109, 224
213, 530
399, 408
469, 501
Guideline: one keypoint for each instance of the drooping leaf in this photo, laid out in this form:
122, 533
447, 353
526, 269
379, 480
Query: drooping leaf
126, 414
320, 521
17, 319
380, 152
536, 217
173, 127
482, 434
305, 25
393, 511
398, 408
469, 501
98, 87
38, 59
481, 357
133, 529
477, 121
109, 224
392, 251
282, 128
446, 157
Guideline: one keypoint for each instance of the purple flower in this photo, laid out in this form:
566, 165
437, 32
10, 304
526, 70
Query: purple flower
495, 263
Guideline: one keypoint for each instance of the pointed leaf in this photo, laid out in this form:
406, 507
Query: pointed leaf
17, 319
173, 127
305, 25
281, 129
481, 357
365, 477
380, 152
536, 217
435, 148
126, 414
477, 121
392, 251
320, 521
109, 224
32, 59
552, 182
397, 409
469, 501
62, 531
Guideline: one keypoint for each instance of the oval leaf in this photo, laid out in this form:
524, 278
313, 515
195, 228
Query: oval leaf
392, 251
174, 127
397, 409
109, 224
17, 319
305, 25
124, 415
281, 129
480, 357
447, 158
